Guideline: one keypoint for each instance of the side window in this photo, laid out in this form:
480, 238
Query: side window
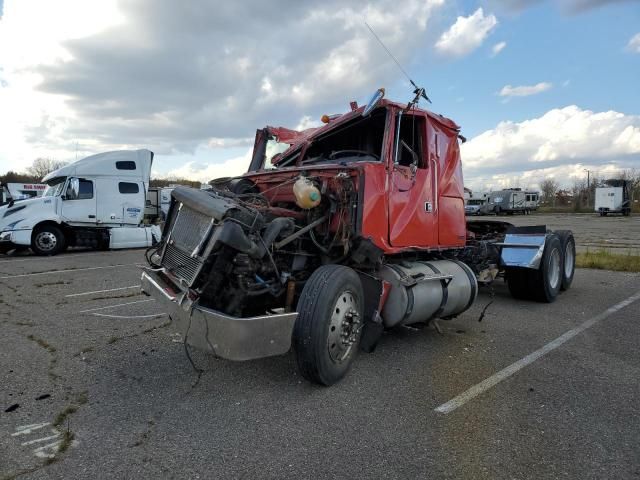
128, 187
126, 165
86, 190
411, 141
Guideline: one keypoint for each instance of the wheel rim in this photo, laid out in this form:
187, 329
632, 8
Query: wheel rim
569, 260
344, 328
46, 241
554, 268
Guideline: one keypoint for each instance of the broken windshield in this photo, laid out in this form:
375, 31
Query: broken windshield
359, 139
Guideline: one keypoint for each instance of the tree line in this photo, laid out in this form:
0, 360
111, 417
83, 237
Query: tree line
41, 167
582, 194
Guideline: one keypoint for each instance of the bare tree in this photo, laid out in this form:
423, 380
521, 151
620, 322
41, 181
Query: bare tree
549, 187
42, 166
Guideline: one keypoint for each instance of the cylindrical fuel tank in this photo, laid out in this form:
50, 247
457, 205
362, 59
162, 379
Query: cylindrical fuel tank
417, 295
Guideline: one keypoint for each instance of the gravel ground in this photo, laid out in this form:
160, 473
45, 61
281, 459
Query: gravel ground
80, 345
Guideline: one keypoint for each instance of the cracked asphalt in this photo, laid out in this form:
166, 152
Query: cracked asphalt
90, 366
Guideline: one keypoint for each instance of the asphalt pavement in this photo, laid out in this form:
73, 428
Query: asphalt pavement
83, 348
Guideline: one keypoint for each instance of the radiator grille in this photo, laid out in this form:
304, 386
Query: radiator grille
181, 264
187, 232
189, 228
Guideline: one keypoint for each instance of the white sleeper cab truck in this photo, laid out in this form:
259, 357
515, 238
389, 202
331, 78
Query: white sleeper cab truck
98, 202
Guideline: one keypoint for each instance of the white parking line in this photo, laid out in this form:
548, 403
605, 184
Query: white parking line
47, 451
56, 257
118, 305
128, 316
101, 291
493, 380
70, 270
43, 439
27, 429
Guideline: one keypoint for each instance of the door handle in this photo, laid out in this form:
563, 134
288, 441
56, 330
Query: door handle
92, 216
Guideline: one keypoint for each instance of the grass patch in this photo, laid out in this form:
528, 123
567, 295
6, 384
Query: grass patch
605, 260
62, 416
43, 343
122, 295
67, 438
59, 282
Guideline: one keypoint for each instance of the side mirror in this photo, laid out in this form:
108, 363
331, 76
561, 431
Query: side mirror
73, 189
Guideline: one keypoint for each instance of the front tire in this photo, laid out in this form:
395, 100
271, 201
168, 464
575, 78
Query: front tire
329, 324
47, 240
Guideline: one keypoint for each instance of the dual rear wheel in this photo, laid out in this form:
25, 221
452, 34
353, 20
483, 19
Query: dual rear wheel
557, 268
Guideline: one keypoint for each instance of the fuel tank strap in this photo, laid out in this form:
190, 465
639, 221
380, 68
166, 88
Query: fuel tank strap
410, 299
445, 290
472, 282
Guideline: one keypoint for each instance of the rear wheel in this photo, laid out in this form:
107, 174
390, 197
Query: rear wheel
568, 245
47, 240
327, 331
546, 281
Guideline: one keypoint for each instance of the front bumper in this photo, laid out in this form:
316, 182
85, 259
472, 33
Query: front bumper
6, 242
228, 337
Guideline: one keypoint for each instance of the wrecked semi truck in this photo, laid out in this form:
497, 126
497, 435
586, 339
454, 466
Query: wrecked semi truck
356, 227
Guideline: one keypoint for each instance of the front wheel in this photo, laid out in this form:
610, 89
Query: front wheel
47, 240
327, 331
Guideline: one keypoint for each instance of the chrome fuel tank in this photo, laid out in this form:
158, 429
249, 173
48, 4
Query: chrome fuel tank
425, 290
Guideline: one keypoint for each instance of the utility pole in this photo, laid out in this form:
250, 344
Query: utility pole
588, 187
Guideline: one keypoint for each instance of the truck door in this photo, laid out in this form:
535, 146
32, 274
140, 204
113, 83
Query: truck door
412, 216
121, 202
79, 202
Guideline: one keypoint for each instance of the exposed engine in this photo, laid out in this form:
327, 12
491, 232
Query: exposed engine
239, 250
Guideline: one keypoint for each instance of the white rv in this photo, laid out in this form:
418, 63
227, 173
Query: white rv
98, 202
532, 201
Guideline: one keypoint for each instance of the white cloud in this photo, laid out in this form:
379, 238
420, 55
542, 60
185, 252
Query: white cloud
143, 73
204, 172
466, 34
524, 90
28, 40
634, 43
559, 143
497, 48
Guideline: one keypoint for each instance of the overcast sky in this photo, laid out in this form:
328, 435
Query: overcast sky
540, 88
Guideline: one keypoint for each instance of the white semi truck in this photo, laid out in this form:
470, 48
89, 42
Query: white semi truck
98, 202
613, 197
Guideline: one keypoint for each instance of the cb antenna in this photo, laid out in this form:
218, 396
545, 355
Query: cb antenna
418, 91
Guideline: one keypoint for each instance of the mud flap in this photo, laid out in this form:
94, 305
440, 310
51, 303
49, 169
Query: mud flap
376, 292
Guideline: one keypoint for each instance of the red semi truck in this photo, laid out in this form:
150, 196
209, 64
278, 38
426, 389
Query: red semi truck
335, 234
